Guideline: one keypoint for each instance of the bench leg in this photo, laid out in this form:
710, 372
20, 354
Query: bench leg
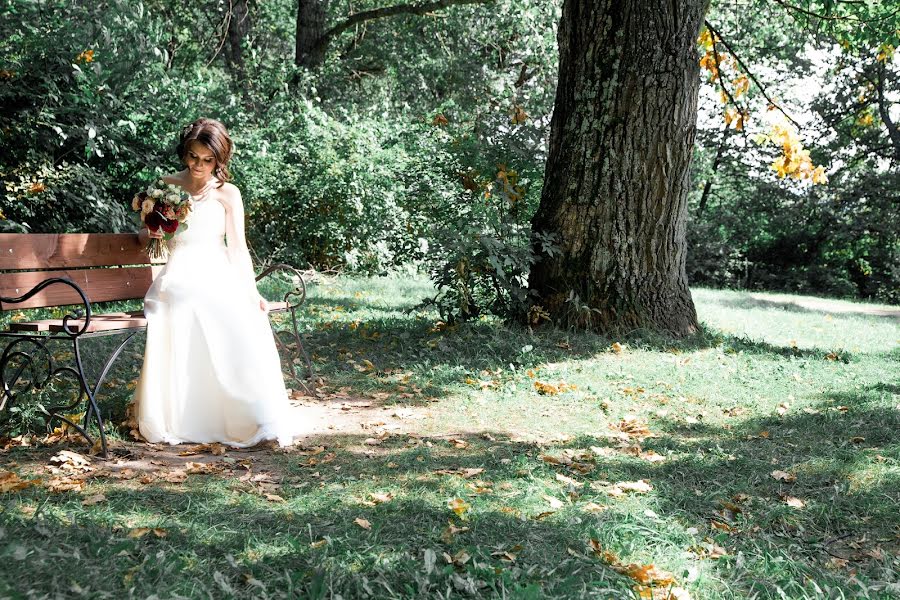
297, 352
92, 403
40, 378
109, 363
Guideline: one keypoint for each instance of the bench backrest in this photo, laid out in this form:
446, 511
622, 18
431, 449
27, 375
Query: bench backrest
107, 266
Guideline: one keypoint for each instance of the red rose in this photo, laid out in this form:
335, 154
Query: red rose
169, 225
153, 221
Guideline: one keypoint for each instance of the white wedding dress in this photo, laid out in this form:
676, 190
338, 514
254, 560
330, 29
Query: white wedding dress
211, 369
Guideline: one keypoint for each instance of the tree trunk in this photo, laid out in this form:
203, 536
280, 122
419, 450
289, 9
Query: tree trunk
309, 49
617, 176
238, 28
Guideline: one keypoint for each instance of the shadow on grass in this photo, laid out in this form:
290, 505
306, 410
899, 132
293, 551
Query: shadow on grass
747, 302
222, 539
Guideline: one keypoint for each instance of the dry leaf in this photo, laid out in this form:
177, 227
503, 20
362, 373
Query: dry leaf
381, 497
553, 502
363, 523
641, 486
273, 498
95, 499
784, 476
457, 443
10, 481
64, 484
318, 543
617, 348
593, 507
459, 506
569, 481
794, 502
450, 532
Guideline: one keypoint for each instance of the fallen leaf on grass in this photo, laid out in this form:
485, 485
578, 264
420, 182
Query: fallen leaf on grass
593, 507
794, 502
64, 484
363, 523
139, 532
504, 555
273, 497
92, 500
632, 426
553, 502
448, 535
543, 515
459, 506
458, 559
616, 348
641, 486
569, 481
10, 482
466, 473
67, 461
457, 443
784, 476
318, 543
177, 476
551, 389
381, 497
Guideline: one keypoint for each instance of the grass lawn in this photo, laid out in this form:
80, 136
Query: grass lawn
759, 459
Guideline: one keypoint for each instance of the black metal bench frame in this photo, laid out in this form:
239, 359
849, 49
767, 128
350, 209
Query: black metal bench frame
31, 348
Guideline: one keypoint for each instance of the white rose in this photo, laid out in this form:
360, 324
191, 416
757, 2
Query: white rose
157, 193
172, 198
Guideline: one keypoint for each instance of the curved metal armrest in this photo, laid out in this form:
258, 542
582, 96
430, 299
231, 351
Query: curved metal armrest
64, 280
299, 291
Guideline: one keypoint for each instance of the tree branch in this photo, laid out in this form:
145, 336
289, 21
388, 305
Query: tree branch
750, 74
885, 113
389, 11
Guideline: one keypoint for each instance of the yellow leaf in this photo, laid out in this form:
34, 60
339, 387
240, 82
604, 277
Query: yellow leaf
459, 506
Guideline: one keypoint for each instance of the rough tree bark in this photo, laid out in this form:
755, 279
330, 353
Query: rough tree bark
617, 176
309, 51
238, 29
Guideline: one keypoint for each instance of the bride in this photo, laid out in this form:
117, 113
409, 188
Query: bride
211, 370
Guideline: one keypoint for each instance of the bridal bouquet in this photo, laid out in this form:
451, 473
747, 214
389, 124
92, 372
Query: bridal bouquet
163, 206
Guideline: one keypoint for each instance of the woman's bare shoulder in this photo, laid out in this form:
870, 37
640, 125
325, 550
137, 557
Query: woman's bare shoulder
229, 193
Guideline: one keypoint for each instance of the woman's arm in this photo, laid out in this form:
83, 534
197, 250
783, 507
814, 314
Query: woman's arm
238, 253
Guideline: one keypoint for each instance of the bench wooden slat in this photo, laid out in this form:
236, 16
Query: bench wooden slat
103, 322
100, 285
70, 250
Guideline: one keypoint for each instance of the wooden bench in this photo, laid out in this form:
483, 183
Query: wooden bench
78, 270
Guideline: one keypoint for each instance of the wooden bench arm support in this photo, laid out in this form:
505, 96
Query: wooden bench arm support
74, 332
299, 291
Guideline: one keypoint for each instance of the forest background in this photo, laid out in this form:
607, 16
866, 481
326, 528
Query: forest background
416, 140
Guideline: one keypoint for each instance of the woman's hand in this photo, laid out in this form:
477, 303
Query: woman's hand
263, 304
145, 235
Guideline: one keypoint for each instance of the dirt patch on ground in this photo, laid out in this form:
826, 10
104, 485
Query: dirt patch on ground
362, 422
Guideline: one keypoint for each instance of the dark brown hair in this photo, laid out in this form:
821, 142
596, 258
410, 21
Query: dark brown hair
213, 135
